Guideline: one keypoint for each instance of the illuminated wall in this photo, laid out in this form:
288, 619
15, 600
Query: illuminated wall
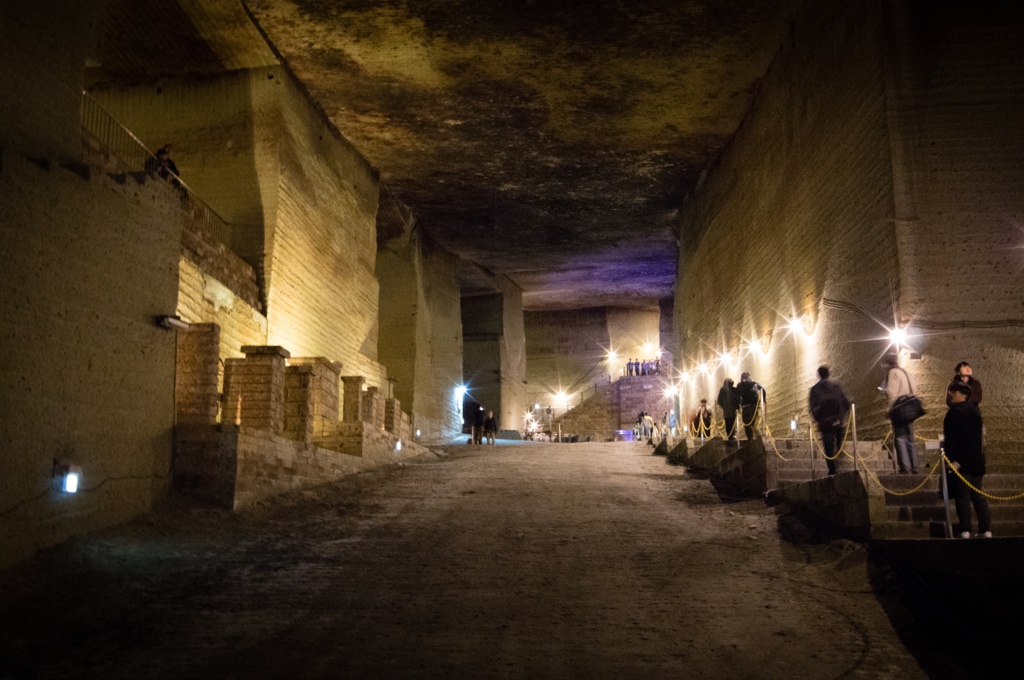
567, 352
420, 332
874, 181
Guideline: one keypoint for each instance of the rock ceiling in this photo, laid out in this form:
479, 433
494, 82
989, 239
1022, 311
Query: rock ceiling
549, 140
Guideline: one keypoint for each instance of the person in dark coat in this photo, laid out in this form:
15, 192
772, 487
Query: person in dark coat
729, 403
961, 431
478, 425
701, 421
964, 374
490, 427
828, 406
749, 393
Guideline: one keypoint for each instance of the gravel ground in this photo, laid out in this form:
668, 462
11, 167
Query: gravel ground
567, 561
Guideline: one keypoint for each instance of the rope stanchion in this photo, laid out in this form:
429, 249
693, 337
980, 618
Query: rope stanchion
971, 486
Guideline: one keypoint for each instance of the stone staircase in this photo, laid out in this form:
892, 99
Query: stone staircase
796, 463
904, 511
921, 514
597, 417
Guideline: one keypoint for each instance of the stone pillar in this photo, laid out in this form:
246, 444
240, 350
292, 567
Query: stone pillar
395, 421
325, 379
353, 398
373, 407
195, 378
254, 388
299, 403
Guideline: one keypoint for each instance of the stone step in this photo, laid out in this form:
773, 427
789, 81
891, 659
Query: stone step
1001, 510
927, 529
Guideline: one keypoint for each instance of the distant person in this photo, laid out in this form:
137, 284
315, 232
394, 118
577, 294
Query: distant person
672, 423
490, 427
729, 402
964, 374
648, 425
828, 406
664, 424
749, 394
478, 425
961, 431
701, 420
898, 383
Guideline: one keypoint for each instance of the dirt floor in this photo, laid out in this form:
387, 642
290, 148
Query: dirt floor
548, 560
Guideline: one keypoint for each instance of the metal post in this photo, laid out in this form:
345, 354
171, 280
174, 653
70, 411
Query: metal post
853, 417
945, 494
764, 416
814, 454
559, 433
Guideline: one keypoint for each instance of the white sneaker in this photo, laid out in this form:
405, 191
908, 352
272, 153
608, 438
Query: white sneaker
987, 534
965, 534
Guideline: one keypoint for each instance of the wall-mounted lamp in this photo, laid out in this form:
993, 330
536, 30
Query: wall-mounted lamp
70, 475
171, 322
417, 433
898, 336
398, 445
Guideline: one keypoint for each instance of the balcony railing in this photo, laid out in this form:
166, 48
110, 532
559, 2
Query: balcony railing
133, 156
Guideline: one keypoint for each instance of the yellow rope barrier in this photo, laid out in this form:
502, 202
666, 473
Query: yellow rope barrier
899, 493
772, 438
986, 495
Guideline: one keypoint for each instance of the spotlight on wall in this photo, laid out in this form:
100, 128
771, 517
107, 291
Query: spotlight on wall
612, 355
70, 475
460, 390
792, 425
898, 336
417, 433
398, 445
171, 322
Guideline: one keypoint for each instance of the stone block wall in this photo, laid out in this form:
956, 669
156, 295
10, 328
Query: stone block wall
874, 181
568, 350
794, 221
89, 261
420, 338
196, 392
322, 295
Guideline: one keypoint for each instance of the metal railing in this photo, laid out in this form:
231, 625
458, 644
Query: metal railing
133, 156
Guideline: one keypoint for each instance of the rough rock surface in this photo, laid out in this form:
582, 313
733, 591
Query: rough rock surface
551, 141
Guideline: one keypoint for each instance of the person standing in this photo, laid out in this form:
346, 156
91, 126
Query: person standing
828, 406
629, 368
898, 383
672, 422
478, 425
490, 427
964, 374
702, 420
961, 431
749, 393
729, 403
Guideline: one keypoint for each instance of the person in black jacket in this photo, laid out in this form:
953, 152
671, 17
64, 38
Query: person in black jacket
490, 428
729, 403
962, 435
748, 393
828, 406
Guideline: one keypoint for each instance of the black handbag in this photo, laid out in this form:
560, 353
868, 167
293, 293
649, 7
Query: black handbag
906, 409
